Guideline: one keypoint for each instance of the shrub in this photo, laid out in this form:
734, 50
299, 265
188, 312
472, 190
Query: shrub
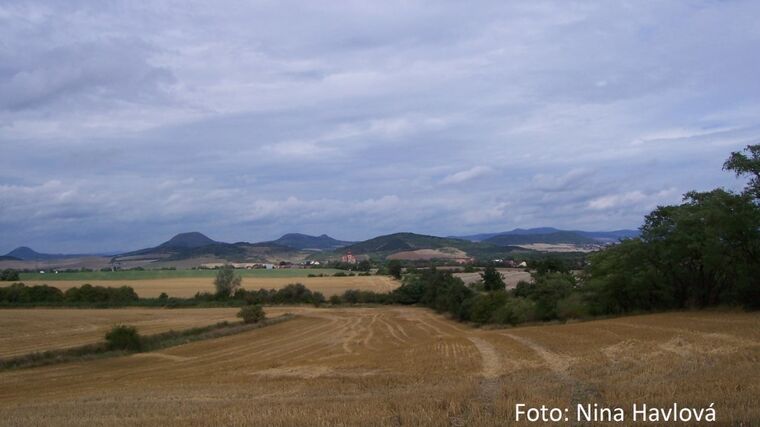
515, 311
251, 314
572, 307
123, 337
9, 275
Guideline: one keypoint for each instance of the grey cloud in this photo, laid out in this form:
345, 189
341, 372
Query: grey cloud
122, 123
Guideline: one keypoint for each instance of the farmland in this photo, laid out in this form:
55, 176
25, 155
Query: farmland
29, 330
510, 275
403, 366
188, 287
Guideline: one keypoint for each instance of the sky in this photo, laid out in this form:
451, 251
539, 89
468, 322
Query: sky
124, 123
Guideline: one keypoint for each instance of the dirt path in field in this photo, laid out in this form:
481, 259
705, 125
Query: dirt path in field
560, 365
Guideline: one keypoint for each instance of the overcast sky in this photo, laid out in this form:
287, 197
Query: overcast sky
123, 123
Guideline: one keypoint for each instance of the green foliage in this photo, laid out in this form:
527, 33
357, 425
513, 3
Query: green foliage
364, 265
87, 293
549, 264
18, 293
747, 163
123, 337
226, 282
294, 293
492, 280
394, 268
548, 290
704, 252
573, 306
514, 311
9, 275
484, 305
251, 314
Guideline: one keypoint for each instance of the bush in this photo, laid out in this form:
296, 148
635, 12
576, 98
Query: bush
123, 337
572, 307
9, 275
515, 311
252, 314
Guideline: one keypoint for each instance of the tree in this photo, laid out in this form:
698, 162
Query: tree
747, 164
394, 268
252, 314
226, 282
364, 265
703, 252
492, 280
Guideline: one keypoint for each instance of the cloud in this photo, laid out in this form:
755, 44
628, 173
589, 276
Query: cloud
559, 183
467, 175
635, 198
122, 123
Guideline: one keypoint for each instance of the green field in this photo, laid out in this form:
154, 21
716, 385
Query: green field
171, 274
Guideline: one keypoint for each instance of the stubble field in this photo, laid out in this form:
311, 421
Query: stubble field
403, 366
25, 331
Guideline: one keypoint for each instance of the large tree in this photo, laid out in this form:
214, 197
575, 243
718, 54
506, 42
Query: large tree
747, 163
226, 281
492, 280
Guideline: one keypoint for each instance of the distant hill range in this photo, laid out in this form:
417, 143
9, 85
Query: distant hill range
520, 236
306, 242
297, 246
382, 246
24, 253
197, 245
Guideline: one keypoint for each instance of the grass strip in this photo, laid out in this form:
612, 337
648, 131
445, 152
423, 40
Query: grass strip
148, 343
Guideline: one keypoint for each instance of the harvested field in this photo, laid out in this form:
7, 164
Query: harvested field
29, 330
510, 275
403, 366
187, 287
426, 254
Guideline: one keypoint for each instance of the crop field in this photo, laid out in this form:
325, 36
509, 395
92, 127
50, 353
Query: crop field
171, 274
403, 366
187, 287
510, 275
29, 330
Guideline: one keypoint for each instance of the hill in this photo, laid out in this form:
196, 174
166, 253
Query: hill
189, 240
9, 258
552, 238
547, 232
24, 253
185, 246
305, 241
383, 246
